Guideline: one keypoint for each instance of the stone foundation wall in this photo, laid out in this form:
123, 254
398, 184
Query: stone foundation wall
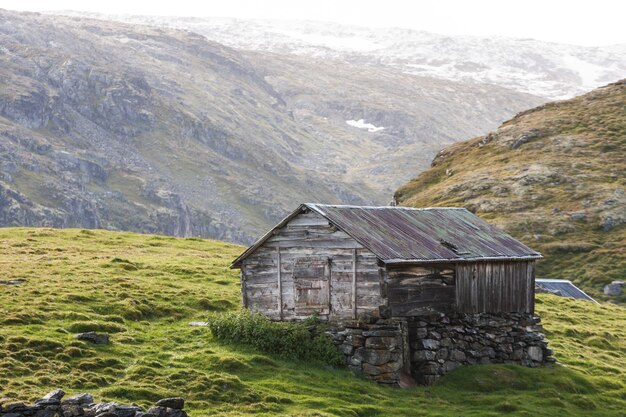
429, 347
440, 344
373, 349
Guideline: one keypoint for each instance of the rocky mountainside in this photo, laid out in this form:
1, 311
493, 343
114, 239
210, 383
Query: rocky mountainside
543, 68
376, 124
553, 176
118, 126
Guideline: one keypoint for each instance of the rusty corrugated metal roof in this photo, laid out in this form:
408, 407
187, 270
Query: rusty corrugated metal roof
402, 234
398, 235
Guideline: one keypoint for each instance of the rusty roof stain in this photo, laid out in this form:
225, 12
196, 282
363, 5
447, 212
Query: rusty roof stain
402, 235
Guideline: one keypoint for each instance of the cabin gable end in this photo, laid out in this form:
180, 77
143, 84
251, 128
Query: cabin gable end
308, 266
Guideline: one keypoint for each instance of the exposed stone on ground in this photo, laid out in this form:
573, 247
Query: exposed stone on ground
95, 338
578, 216
115, 409
177, 403
51, 398
79, 399
614, 288
525, 137
82, 405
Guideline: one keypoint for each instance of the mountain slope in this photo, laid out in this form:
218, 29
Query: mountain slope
108, 125
409, 117
553, 176
144, 290
543, 68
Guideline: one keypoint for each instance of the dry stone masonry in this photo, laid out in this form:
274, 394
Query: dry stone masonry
373, 349
83, 405
442, 343
429, 347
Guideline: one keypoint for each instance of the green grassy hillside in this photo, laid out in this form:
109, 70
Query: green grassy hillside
144, 290
553, 176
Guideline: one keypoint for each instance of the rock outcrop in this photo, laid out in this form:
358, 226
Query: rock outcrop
614, 289
83, 405
93, 337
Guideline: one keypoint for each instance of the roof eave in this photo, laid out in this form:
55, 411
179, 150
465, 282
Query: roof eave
393, 262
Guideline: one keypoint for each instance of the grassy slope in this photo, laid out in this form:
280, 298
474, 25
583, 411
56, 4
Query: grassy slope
572, 164
145, 289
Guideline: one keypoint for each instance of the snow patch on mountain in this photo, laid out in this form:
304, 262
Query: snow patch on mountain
589, 73
362, 125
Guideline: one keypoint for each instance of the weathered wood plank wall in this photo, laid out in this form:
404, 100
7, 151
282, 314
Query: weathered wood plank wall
309, 266
417, 290
495, 287
316, 266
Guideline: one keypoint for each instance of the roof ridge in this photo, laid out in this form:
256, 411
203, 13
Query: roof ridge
382, 207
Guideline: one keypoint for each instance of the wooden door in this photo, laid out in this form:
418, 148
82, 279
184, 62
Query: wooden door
312, 286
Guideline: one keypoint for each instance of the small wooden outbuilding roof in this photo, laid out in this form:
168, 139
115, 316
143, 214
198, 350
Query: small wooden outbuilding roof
402, 235
562, 287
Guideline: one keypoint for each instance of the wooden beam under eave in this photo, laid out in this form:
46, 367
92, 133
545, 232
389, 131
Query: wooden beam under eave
280, 286
244, 290
354, 282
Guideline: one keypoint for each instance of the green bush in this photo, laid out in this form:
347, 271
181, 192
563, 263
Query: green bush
291, 340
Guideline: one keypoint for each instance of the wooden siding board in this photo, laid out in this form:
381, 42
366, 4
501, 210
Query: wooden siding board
327, 242
495, 287
530, 284
280, 284
413, 291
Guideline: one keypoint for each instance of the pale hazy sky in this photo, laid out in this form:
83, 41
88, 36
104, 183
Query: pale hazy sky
592, 22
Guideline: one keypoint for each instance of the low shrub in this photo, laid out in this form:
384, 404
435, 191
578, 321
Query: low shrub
291, 340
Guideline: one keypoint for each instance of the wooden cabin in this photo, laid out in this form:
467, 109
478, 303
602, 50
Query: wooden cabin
345, 262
